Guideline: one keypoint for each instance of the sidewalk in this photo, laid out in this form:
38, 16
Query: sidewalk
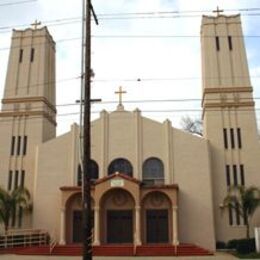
220, 256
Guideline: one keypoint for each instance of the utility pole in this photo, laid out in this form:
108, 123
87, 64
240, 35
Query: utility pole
86, 205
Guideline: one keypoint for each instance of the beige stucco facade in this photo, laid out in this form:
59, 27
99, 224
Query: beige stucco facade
196, 209
228, 113
188, 178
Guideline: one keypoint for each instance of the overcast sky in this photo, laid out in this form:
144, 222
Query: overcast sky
168, 68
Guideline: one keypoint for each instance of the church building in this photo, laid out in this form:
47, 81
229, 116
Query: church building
151, 183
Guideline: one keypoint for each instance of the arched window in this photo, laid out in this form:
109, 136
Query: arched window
122, 166
153, 171
94, 172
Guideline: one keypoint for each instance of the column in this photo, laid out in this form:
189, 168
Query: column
96, 226
62, 227
137, 237
175, 226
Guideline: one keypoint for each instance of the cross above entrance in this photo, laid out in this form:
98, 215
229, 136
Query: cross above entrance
218, 11
36, 24
120, 92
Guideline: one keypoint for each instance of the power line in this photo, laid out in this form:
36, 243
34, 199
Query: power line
132, 37
184, 100
253, 9
18, 3
63, 21
182, 110
173, 36
45, 83
131, 80
172, 79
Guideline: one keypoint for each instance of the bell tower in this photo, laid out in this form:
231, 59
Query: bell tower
228, 116
28, 115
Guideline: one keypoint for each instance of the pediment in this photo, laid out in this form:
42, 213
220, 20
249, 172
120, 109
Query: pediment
117, 180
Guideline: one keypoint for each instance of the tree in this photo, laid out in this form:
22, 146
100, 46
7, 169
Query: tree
245, 201
10, 201
191, 125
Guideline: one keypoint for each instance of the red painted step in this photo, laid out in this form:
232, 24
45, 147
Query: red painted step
190, 250
114, 250
169, 250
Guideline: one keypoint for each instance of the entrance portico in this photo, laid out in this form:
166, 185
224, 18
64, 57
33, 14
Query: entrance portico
124, 212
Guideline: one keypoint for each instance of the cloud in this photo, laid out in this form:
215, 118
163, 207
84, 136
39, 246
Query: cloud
121, 61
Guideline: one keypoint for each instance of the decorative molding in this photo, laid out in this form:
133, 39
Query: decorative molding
73, 188
229, 104
160, 187
28, 113
119, 198
225, 90
29, 100
35, 33
156, 199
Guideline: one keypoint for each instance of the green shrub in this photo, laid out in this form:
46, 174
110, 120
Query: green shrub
232, 244
220, 245
245, 246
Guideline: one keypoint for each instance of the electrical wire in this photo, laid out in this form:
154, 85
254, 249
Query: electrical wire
129, 37
188, 110
141, 15
18, 3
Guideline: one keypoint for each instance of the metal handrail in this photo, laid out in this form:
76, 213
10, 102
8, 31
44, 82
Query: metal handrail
53, 243
25, 237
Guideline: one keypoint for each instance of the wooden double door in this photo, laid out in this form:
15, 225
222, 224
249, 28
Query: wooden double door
77, 231
157, 226
119, 226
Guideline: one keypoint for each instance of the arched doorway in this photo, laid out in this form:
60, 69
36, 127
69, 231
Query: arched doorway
156, 218
118, 217
74, 218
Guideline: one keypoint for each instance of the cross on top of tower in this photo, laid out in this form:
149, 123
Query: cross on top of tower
218, 11
35, 24
120, 93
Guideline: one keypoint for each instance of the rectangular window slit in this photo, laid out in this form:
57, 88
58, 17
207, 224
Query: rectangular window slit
24, 145
18, 145
22, 179
217, 43
225, 138
230, 43
16, 179
228, 175
235, 174
232, 138
242, 175
32, 54
10, 180
12, 145
21, 55
239, 141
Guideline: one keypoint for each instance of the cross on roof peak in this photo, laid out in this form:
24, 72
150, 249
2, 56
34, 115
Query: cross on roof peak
120, 92
218, 11
35, 24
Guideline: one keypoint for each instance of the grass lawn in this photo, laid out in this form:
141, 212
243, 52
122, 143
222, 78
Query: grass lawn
248, 256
